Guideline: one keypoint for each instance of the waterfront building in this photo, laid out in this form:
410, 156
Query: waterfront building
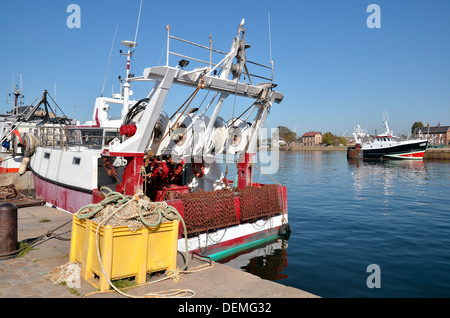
311, 139
436, 135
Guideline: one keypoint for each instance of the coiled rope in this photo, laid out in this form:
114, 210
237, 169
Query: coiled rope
162, 209
116, 198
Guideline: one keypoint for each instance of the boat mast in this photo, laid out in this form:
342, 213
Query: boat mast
126, 85
385, 120
17, 92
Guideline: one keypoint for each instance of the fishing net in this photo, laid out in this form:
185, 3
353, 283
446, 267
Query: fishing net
135, 212
260, 201
68, 273
208, 210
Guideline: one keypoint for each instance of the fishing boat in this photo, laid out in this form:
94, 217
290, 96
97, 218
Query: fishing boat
10, 136
19, 128
385, 146
175, 158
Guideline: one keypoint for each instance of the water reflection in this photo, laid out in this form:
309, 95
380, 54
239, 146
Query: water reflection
266, 261
349, 214
385, 175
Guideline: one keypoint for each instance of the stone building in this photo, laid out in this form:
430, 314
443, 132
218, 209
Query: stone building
437, 135
311, 139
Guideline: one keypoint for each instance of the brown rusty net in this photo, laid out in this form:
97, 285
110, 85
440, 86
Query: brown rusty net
209, 210
261, 201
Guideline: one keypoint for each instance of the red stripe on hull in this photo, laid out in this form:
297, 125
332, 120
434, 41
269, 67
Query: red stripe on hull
61, 197
8, 170
414, 155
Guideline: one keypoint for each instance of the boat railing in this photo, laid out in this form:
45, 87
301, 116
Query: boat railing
214, 66
76, 138
51, 137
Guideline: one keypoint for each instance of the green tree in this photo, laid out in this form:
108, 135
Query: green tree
343, 141
416, 125
328, 138
286, 134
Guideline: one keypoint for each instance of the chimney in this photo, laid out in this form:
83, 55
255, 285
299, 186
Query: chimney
439, 124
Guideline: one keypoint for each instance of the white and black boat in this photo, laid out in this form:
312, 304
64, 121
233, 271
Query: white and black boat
385, 146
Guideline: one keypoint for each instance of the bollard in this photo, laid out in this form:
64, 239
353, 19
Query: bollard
8, 228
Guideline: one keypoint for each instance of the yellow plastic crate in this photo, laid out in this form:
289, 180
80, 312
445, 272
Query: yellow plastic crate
124, 253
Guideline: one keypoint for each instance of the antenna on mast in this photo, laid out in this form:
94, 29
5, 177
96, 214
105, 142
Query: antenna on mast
137, 26
270, 38
109, 59
270, 44
17, 92
131, 47
386, 119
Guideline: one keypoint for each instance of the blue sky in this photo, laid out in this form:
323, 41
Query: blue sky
332, 69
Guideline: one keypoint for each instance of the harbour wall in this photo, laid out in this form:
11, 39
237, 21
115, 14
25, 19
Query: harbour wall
21, 183
437, 153
431, 153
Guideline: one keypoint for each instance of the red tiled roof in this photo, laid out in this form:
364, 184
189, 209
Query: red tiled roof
310, 134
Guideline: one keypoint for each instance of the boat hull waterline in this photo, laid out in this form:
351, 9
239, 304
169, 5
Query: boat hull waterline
411, 150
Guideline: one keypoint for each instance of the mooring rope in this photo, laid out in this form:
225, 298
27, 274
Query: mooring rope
162, 209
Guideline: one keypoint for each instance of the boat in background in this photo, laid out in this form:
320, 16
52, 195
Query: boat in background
385, 146
174, 159
18, 131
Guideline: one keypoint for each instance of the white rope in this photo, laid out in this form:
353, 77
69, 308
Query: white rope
171, 274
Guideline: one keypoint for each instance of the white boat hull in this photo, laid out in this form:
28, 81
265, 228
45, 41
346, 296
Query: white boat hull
63, 180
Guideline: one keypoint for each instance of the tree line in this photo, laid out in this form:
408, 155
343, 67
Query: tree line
328, 138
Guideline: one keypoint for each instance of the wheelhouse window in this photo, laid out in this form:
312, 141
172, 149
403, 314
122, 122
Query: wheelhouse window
73, 137
110, 135
76, 161
92, 137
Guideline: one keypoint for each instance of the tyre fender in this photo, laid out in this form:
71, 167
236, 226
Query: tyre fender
284, 231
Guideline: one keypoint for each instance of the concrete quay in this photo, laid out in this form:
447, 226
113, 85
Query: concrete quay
25, 276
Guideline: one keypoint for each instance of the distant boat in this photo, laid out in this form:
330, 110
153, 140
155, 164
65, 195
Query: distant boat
17, 125
385, 146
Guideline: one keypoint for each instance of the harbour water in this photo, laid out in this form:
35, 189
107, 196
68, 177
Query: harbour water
346, 215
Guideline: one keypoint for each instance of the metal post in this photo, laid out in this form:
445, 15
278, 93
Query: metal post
271, 62
8, 228
128, 63
210, 51
168, 39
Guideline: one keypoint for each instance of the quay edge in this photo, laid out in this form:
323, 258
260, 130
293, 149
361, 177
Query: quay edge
24, 277
437, 153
